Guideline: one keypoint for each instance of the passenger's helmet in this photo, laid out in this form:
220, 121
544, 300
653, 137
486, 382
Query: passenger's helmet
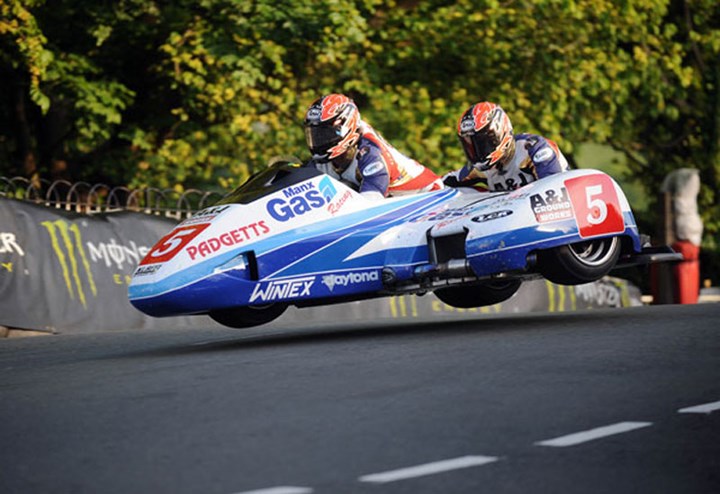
486, 135
332, 130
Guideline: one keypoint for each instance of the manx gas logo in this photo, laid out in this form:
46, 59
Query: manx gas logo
66, 242
282, 289
300, 199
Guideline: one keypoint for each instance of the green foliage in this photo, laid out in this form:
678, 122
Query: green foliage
200, 93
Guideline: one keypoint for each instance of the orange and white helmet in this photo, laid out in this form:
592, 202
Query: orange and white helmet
332, 127
486, 135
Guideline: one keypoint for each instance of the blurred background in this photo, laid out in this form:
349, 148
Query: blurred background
201, 93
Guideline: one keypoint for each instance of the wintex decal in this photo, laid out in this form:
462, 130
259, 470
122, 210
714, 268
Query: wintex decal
228, 239
299, 200
269, 291
551, 205
333, 280
67, 244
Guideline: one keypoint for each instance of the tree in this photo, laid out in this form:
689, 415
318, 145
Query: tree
203, 92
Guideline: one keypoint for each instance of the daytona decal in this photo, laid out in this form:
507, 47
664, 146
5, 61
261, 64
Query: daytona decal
277, 290
596, 204
551, 205
228, 239
333, 280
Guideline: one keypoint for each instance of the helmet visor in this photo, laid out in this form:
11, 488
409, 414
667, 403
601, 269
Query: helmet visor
479, 145
320, 138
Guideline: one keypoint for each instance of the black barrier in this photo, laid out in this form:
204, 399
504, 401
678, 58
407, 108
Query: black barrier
68, 272
65, 272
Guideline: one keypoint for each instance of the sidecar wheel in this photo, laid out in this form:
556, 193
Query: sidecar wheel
466, 297
579, 263
246, 317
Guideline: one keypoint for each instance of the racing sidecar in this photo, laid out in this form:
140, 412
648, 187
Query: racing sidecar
292, 235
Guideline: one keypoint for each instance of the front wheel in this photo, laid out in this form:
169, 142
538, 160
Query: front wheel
466, 297
246, 317
582, 262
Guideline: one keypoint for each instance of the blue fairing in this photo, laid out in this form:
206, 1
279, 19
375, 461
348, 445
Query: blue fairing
309, 249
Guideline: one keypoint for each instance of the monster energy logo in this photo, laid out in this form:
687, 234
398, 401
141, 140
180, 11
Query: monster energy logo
67, 244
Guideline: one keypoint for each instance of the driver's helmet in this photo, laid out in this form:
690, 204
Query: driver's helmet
486, 135
332, 130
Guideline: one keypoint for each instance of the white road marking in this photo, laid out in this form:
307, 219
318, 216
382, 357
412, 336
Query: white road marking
280, 490
592, 434
428, 469
706, 408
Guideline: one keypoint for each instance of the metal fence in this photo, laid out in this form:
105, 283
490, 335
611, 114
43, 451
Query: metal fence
83, 197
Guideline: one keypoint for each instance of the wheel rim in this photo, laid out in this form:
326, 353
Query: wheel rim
595, 252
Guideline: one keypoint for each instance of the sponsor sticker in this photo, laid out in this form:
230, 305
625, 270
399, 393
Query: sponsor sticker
327, 189
551, 205
146, 270
336, 206
440, 215
494, 215
228, 239
296, 201
172, 243
205, 215
596, 205
544, 154
373, 169
269, 291
333, 280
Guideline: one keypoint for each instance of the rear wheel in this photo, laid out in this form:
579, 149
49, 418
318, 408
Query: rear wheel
246, 317
579, 263
466, 297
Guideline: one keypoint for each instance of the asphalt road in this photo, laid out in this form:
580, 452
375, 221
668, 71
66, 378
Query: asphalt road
600, 401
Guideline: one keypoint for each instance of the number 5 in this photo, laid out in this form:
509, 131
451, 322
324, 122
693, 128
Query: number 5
595, 190
172, 243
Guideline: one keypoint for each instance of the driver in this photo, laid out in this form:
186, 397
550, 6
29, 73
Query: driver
498, 159
345, 147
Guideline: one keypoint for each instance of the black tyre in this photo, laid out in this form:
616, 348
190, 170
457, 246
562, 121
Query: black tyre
465, 297
579, 263
246, 317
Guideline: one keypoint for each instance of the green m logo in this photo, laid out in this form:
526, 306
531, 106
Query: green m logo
67, 244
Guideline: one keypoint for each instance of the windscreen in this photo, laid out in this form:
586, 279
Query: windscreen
271, 179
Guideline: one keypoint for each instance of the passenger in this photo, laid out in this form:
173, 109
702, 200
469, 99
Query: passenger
497, 159
349, 149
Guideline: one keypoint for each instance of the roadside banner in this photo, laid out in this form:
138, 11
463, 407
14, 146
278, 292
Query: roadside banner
65, 272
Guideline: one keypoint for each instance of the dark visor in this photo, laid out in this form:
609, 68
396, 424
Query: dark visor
320, 138
479, 145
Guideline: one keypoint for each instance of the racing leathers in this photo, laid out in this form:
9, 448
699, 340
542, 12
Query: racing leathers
535, 157
379, 170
